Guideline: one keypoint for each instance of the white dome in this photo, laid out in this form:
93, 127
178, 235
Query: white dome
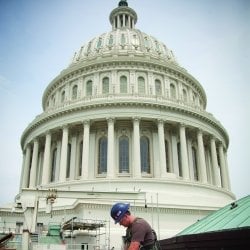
127, 42
124, 39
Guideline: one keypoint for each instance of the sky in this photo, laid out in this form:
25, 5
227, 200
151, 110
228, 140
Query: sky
210, 38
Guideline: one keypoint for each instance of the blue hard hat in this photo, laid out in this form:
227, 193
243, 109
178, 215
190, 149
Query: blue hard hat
118, 210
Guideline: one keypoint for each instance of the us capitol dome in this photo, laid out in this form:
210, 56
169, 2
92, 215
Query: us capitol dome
125, 122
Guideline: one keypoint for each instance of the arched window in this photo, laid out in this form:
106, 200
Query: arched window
53, 167
145, 154
146, 42
158, 87
123, 154
172, 91
179, 158
123, 39
99, 43
74, 92
102, 156
123, 84
157, 46
80, 159
105, 85
111, 40
135, 40
53, 100
195, 165
89, 48
89, 88
167, 156
184, 93
141, 85
62, 96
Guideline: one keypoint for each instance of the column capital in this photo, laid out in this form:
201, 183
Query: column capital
212, 137
182, 125
136, 118
65, 126
86, 122
36, 139
110, 119
160, 121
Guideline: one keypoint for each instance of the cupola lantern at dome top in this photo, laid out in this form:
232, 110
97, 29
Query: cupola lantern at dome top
123, 16
123, 3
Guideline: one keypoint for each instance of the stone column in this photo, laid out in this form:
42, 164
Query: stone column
110, 159
73, 157
214, 161
34, 165
228, 178
184, 158
46, 162
129, 22
25, 182
224, 182
123, 20
85, 150
162, 150
136, 146
58, 155
201, 158
118, 22
64, 154
174, 154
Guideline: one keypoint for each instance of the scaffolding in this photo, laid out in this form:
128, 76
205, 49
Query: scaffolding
96, 229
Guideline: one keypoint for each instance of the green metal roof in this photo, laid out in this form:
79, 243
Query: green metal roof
232, 216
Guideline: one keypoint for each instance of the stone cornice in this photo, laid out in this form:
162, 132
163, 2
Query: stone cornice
168, 106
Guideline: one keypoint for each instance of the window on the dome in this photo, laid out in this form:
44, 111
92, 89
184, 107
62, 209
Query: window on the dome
63, 96
123, 84
74, 92
99, 43
123, 39
172, 91
141, 85
195, 165
111, 40
89, 88
123, 154
102, 156
157, 46
158, 90
146, 42
53, 100
145, 155
184, 93
89, 48
105, 85
194, 98
135, 40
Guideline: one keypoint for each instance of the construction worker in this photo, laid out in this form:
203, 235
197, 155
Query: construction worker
139, 234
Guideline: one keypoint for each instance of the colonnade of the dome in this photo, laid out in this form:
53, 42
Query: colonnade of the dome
130, 148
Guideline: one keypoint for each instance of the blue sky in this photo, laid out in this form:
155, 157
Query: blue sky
210, 38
